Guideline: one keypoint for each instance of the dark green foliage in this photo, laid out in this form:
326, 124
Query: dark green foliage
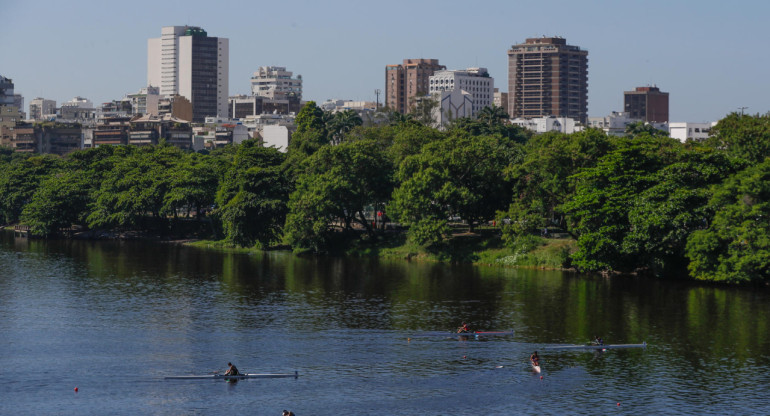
735, 248
336, 186
543, 181
641, 127
645, 202
459, 175
253, 195
604, 195
60, 201
18, 181
744, 136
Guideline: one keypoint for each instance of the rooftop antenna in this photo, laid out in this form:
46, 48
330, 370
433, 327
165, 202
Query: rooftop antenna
742, 108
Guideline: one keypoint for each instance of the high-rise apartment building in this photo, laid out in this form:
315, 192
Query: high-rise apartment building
405, 82
646, 103
276, 83
187, 62
547, 77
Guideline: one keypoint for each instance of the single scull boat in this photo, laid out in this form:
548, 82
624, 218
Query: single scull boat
483, 333
594, 346
236, 377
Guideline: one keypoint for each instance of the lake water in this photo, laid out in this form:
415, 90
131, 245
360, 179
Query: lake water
367, 337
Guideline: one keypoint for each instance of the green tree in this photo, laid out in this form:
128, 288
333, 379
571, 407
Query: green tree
339, 182
341, 123
543, 181
193, 185
19, 180
60, 201
735, 248
641, 127
460, 175
134, 189
604, 195
743, 136
663, 216
423, 111
252, 197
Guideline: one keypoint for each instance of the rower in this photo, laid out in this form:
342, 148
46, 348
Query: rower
598, 341
535, 359
231, 371
463, 328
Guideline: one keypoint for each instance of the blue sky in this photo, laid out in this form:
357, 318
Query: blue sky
711, 56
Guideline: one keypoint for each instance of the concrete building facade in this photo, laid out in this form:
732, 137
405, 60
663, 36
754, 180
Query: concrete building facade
648, 104
145, 101
564, 125
474, 81
547, 77
188, 62
684, 131
6, 91
275, 82
41, 107
405, 82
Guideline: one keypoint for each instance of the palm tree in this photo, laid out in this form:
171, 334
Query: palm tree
492, 115
341, 123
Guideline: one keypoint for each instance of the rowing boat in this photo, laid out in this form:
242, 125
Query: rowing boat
235, 377
594, 346
536, 367
483, 333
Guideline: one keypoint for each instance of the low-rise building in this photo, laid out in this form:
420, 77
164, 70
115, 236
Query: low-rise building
58, 138
278, 136
111, 131
546, 124
242, 106
177, 106
150, 130
145, 101
21, 138
684, 131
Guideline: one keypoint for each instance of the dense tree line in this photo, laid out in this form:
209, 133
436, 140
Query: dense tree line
643, 202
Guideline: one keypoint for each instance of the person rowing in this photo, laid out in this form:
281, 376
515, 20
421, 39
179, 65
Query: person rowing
535, 359
463, 328
231, 371
598, 341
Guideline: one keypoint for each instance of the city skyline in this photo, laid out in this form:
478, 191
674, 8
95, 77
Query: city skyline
700, 56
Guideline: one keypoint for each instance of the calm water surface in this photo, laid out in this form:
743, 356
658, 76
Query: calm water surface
113, 319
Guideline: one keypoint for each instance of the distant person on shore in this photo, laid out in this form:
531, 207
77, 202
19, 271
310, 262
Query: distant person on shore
231, 371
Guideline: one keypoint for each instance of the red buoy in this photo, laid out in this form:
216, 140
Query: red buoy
618, 403
76, 389
541, 377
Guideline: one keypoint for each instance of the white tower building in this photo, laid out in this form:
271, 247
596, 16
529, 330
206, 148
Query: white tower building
187, 62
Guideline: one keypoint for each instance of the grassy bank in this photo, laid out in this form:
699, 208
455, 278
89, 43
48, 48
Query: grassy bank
484, 248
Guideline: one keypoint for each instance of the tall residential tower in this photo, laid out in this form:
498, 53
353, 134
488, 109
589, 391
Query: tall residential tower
186, 61
405, 82
547, 77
